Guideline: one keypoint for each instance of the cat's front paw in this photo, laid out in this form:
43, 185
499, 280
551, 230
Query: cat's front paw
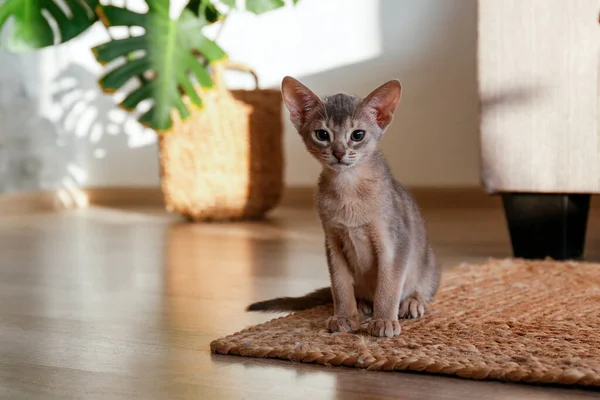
339, 323
383, 327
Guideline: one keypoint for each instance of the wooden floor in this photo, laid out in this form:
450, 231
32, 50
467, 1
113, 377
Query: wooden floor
122, 304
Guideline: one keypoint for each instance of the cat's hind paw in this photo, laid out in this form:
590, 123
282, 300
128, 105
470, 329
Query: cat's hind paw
383, 327
411, 308
365, 309
342, 324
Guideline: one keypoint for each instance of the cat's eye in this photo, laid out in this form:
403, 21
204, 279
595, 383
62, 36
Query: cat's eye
322, 135
357, 136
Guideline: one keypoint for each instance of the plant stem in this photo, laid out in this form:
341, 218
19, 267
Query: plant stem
221, 27
217, 35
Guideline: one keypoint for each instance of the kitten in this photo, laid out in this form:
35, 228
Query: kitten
381, 264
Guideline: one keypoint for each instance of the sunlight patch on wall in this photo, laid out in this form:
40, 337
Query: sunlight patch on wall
311, 37
78, 174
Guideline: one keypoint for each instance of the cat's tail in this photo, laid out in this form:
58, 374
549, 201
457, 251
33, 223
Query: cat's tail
317, 298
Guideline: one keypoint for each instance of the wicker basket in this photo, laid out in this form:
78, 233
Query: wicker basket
226, 161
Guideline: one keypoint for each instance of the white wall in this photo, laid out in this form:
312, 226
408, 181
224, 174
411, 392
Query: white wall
334, 45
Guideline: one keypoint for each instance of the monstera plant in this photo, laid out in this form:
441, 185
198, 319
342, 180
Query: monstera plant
163, 68
169, 57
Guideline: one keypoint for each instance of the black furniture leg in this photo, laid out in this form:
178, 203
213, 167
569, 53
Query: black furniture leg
547, 225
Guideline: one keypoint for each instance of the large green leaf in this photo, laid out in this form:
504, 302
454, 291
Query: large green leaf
33, 21
170, 52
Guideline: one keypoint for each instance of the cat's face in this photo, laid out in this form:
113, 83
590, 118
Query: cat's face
340, 130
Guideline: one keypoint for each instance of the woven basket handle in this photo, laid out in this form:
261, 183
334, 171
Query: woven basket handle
219, 69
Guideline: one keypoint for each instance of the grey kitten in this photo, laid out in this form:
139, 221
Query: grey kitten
381, 264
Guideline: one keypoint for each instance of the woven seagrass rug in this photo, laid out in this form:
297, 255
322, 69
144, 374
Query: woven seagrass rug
507, 320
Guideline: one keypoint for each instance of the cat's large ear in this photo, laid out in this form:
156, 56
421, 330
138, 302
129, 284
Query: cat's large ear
299, 100
382, 102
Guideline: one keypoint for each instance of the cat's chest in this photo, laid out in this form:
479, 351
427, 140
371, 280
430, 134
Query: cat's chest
348, 202
349, 212
358, 248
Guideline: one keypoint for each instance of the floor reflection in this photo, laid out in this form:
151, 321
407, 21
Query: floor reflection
124, 305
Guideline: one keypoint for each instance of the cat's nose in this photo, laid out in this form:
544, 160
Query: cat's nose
339, 155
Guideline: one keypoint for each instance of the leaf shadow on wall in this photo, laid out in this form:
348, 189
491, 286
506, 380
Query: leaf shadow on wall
108, 138
32, 156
